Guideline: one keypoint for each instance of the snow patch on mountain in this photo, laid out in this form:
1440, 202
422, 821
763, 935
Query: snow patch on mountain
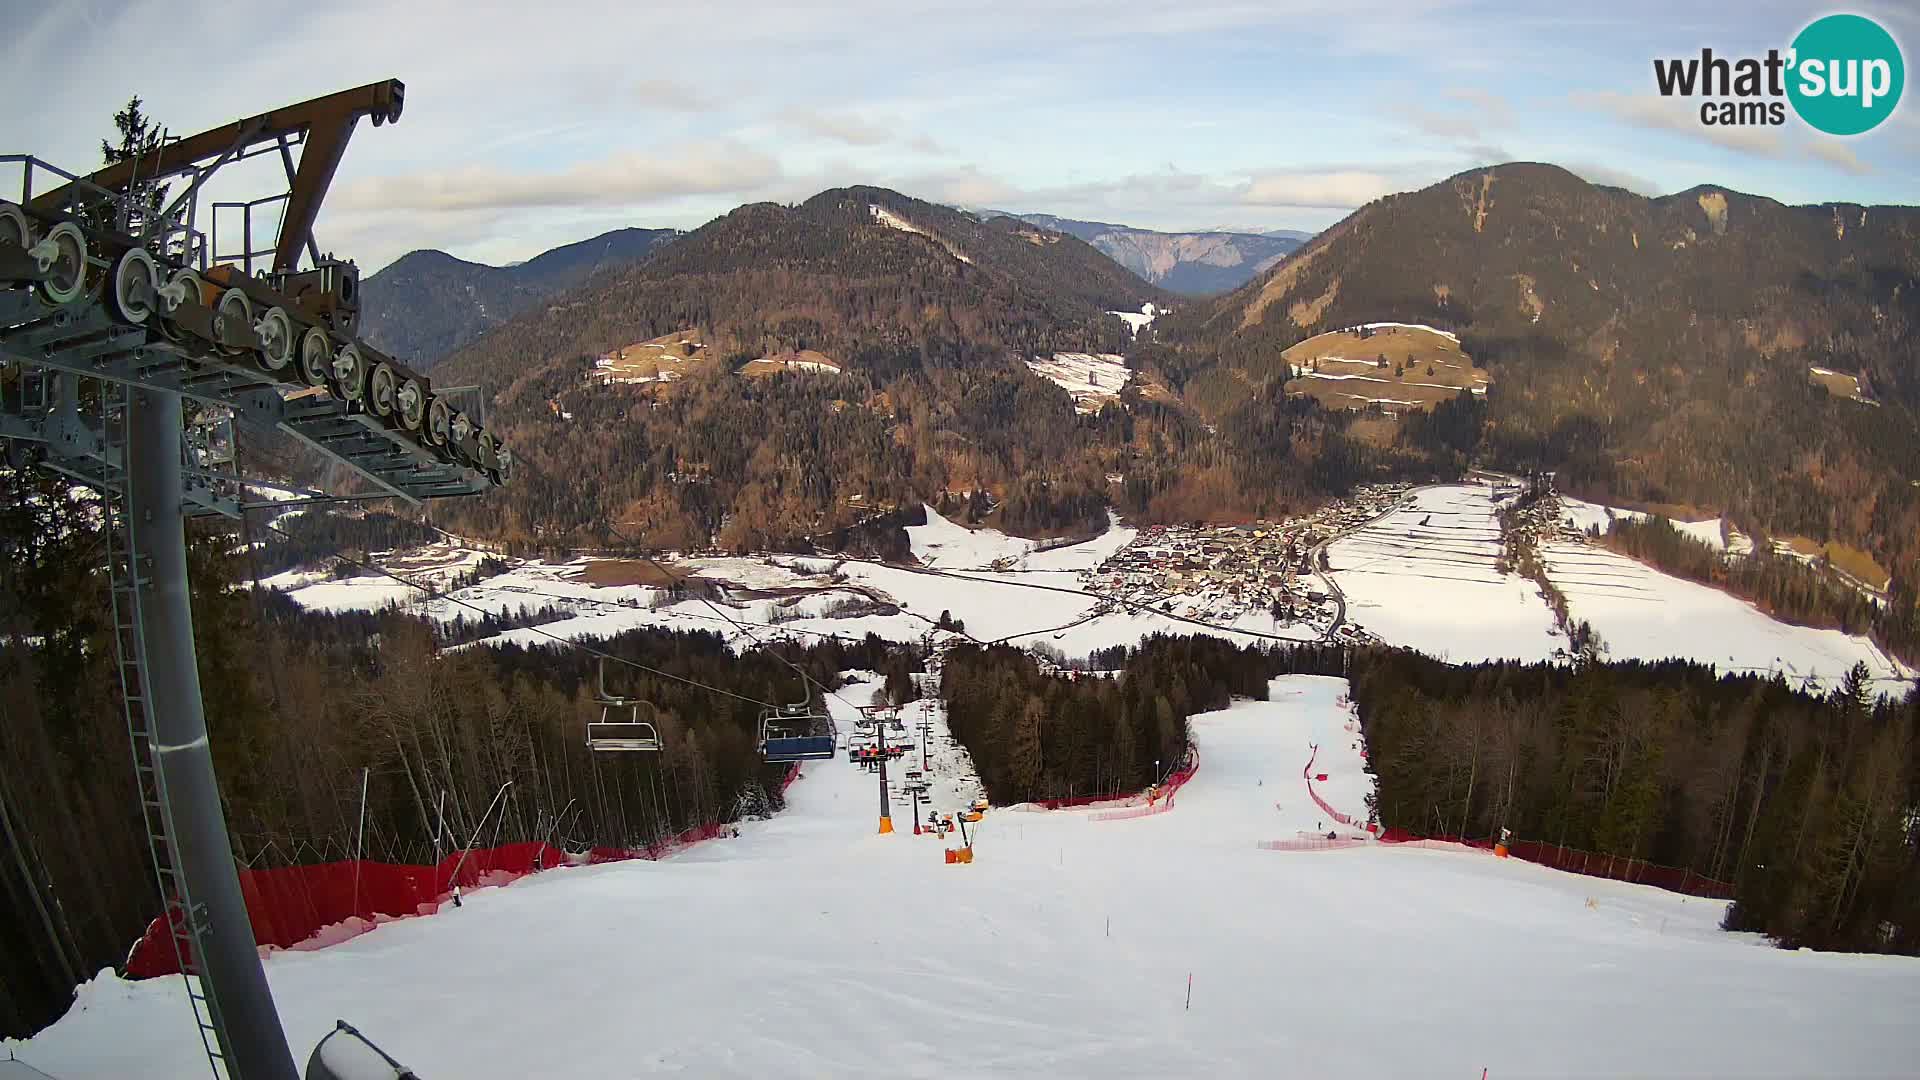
1093, 379
894, 221
1137, 320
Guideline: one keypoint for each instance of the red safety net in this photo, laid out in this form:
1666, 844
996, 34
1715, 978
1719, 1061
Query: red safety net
290, 905
1166, 792
1307, 774
1130, 814
1619, 868
1139, 798
1312, 843
1576, 861
1081, 802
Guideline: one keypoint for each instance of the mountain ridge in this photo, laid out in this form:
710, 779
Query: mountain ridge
759, 276
1199, 262
1655, 350
428, 303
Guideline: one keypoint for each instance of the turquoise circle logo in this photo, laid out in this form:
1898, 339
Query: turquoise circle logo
1847, 74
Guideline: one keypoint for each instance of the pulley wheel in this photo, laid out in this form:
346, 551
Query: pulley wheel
316, 356
15, 229
439, 429
237, 310
63, 255
135, 280
460, 437
383, 387
410, 401
349, 373
275, 330
184, 287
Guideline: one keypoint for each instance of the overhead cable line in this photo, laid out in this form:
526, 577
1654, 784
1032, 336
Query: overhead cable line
681, 581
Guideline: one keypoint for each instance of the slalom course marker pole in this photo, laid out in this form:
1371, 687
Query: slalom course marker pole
1190, 997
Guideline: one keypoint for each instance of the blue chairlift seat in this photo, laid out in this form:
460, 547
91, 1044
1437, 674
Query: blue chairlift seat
798, 748
796, 733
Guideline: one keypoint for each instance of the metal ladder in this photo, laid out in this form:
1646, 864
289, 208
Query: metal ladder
186, 921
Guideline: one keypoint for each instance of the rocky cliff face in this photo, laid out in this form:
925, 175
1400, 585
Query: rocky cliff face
1194, 263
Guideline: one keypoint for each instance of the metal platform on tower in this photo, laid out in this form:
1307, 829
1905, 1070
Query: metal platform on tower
131, 344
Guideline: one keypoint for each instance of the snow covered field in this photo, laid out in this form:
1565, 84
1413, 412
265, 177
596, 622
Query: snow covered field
1137, 320
992, 555
1092, 379
1426, 576
812, 947
1584, 516
1643, 614
434, 565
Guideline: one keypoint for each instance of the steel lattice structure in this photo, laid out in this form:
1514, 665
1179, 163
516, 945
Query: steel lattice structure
130, 346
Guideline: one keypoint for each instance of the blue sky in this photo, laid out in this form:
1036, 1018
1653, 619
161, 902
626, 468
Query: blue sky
533, 124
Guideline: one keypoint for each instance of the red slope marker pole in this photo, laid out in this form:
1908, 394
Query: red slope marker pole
1190, 998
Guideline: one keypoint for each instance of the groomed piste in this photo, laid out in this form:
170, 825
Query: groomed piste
810, 946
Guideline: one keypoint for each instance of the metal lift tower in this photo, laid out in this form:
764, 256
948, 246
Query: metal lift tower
130, 344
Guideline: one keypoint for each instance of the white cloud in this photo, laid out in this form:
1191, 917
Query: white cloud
673, 95
1680, 118
1446, 124
967, 185
1343, 190
1494, 109
1174, 199
838, 127
1663, 114
1464, 113
852, 129
1596, 173
1838, 154
624, 178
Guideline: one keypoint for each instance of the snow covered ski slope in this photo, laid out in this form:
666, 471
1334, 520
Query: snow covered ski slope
1429, 575
1643, 614
812, 947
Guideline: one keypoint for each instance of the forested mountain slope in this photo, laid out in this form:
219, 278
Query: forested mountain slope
849, 267
427, 303
929, 311
929, 314
1651, 350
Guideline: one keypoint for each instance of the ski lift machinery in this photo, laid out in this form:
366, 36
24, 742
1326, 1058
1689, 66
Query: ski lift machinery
796, 732
625, 724
133, 338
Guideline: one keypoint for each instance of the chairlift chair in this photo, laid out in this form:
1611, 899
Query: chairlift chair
625, 724
796, 733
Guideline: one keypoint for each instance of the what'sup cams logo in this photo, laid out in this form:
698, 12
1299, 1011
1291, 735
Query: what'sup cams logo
1843, 75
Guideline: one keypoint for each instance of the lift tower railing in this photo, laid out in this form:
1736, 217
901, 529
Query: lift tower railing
125, 361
